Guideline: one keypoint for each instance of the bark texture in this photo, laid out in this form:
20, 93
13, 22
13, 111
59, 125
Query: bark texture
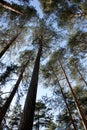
29, 107
82, 116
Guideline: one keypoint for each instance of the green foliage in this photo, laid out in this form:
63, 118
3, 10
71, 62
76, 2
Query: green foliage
15, 116
43, 34
82, 98
72, 61
4, 77
43, 116
83, 7
65, 16
77, 42
30, 12
66, 13
49, 5
25, 56
52, 126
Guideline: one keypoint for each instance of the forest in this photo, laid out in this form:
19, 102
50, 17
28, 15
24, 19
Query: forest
43, 53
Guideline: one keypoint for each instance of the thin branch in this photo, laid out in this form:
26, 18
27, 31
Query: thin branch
4, 93
8, 6
78, 15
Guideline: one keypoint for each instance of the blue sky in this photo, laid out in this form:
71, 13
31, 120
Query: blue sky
37, 5
41, 91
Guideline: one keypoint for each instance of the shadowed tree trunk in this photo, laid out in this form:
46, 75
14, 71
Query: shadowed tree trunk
11, 96
64, 97
29, 107
82, 116
8, 45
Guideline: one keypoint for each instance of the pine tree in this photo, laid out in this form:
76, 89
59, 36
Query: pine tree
43, 36
51, 67
84, 121
11, 96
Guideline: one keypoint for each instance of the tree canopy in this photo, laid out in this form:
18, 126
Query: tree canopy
43, 53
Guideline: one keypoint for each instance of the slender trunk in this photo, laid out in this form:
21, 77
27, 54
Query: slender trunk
10, 7
82, 116
29, 107
8, 45
80, 74
68, 109
11, 96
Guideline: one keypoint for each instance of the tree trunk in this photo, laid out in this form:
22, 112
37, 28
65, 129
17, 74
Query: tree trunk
68, 109
10, 7
8, 45
80, 74
82, 116
11, 96
29, 107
